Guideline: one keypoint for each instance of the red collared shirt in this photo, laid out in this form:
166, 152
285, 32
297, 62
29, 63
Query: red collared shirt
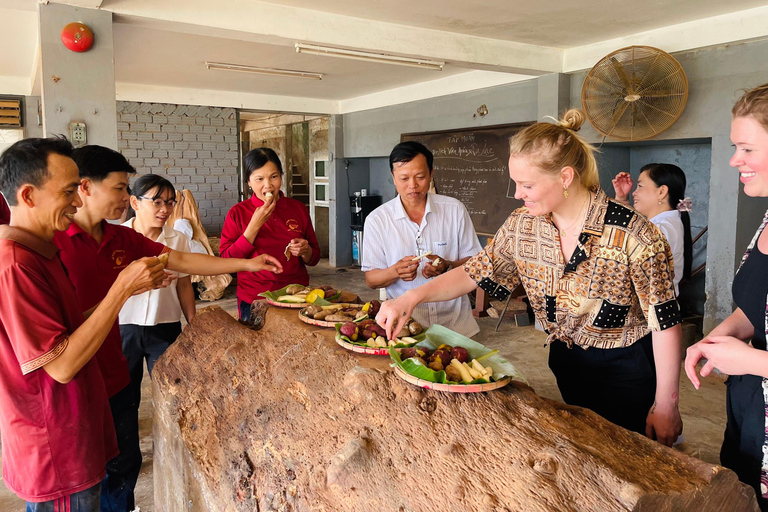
5, 212
57, 438
289, 220
93, 269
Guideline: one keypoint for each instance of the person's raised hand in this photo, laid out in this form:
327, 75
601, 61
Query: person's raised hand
265, 262
431, 269
300, 248
730, 355
142, 275
263, 212
622, 185
406, 268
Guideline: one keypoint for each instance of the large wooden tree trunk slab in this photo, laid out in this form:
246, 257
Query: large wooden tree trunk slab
283, 419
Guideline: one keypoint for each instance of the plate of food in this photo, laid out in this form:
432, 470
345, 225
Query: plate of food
298, 296
448, 361
363, 335
330, 315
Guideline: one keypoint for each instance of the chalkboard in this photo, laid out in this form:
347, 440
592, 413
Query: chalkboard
472, 165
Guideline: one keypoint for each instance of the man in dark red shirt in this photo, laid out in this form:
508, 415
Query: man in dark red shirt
5, 212
94, 252
55, 420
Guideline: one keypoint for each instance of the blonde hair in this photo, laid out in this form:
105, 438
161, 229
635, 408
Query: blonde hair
754, 103
550, 147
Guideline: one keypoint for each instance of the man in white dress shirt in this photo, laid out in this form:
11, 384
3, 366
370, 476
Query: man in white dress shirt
414, 223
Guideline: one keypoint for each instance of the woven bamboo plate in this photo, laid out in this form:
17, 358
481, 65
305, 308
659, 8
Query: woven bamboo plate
322, 323
451, 388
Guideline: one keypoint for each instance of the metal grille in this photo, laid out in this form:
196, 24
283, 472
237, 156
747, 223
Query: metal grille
635, 93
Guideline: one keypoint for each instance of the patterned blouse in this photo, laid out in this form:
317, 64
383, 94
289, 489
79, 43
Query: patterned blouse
764, 468
615, 289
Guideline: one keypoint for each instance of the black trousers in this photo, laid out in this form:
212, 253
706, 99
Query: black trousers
148, 342
742, 449
123, 471
619, 384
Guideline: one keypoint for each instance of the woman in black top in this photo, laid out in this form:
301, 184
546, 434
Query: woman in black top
745, 449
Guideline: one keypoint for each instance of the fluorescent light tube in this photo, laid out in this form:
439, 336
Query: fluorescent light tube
369, 56
264, 71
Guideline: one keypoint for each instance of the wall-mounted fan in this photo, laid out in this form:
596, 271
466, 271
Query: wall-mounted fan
634, 93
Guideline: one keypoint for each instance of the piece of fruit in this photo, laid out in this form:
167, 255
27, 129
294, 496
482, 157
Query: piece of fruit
415, 328
348, 329
460, 353
463, 370
314, 295
443, 356
452, 373
366, 307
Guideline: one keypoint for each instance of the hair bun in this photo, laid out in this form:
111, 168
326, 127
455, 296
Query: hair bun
573, 119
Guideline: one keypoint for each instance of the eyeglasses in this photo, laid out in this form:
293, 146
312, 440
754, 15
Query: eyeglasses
158, 203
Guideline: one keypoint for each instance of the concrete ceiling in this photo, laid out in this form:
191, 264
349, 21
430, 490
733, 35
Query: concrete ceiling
558, 23
161, 46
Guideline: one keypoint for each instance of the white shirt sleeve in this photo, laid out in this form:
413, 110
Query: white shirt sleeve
374, 248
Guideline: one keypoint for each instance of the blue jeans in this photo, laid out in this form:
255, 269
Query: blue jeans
123, 471
83, 501
244, 309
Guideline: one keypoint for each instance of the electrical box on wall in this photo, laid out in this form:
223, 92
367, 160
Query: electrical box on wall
77, 134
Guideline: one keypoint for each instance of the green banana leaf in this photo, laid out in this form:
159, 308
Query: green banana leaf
438, 335
419, 338
275, 294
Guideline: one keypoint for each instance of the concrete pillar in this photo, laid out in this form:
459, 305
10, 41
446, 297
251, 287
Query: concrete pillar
554, 95
78, 86
340, 219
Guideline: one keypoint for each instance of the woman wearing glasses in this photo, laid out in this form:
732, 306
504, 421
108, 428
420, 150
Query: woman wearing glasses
150, 322
268, 223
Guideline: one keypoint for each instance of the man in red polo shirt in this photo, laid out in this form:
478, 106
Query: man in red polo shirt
55, 420
94, 252
5, 212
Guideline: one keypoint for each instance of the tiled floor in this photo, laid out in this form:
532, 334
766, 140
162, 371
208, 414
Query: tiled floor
703, 411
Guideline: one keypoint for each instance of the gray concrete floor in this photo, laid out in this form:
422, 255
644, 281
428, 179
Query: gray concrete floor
703, 411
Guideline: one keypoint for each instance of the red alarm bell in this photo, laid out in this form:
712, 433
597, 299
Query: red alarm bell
77, 37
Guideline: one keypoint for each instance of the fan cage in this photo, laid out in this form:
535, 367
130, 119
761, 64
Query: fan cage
635, 93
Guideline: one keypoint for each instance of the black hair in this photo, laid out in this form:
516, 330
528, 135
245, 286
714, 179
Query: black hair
26, 163
407, 151
96, 162
258, 158
147, 182
674, 178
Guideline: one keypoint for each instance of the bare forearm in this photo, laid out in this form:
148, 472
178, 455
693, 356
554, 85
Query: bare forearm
87, 339
186, 297
667, 353
251, 231
448, 286
381, 277
736, 325
204, 265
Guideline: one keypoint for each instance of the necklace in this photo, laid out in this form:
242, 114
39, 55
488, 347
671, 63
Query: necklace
563, 232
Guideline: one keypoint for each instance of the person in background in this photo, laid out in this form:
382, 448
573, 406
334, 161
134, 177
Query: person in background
150, 322
55, 419
5, 212
94, 252
416, 222
597, 276
660, 196
268, 223
737, 347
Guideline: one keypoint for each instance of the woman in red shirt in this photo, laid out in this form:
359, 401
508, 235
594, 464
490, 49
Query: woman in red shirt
268, 223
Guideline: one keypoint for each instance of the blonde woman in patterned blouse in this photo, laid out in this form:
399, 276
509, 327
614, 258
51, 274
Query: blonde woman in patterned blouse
598, 276
737, 347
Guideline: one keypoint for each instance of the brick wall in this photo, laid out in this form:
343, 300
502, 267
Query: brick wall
196, 148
